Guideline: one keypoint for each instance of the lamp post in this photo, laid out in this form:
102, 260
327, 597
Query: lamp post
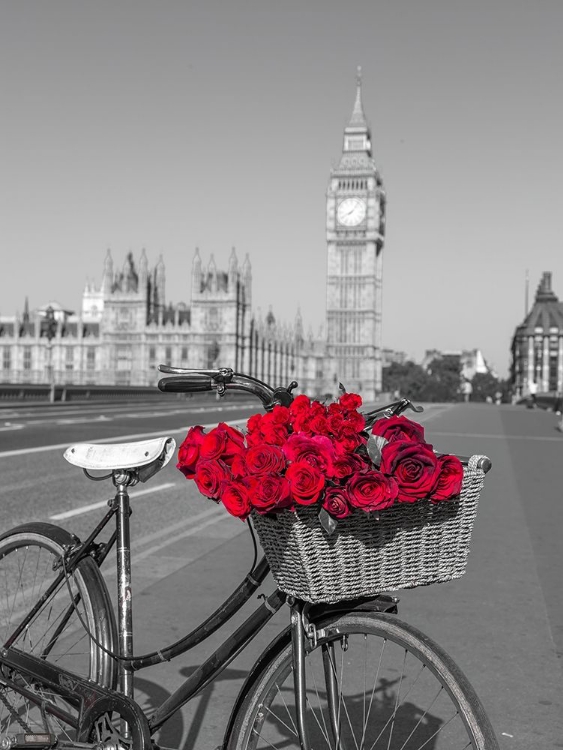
50, 332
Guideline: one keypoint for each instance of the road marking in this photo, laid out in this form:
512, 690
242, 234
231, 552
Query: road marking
101, 503
8, 426
218, 516
538, 438
117, 439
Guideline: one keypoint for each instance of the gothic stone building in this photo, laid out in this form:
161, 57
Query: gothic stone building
126, 327
537, 345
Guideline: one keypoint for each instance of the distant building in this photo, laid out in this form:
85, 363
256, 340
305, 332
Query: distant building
126, 327
355, 231
390, 357
537, 344
471, 361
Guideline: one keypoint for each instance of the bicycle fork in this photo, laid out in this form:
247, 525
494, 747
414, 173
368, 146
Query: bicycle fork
301, 632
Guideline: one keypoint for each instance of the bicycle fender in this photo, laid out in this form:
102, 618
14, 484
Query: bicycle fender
317, 614
56, 533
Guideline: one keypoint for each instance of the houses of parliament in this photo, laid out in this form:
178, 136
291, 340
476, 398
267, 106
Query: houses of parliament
126, 328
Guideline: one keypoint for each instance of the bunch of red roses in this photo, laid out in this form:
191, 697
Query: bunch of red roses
312, 454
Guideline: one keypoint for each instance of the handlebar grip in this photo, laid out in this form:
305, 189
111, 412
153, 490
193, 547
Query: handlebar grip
194, 383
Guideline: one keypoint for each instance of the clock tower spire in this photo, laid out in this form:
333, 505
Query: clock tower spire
355, 226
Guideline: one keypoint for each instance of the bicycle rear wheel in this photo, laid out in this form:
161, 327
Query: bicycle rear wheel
393, 688
30, 560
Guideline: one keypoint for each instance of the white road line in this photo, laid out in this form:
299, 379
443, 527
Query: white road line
117, 439
217, 517
11, 427
101, 503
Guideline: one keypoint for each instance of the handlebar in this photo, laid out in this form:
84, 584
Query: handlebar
221, 380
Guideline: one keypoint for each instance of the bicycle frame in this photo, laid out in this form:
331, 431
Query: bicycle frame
90, 697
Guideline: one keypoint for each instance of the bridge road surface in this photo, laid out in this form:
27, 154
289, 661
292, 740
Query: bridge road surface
502, 622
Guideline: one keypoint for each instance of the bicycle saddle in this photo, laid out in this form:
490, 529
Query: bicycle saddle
112, 456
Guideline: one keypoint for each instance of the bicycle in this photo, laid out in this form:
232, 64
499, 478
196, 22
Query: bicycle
349, 675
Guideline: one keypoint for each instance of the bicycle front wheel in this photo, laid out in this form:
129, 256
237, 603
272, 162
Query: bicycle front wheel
372, 682
30, 561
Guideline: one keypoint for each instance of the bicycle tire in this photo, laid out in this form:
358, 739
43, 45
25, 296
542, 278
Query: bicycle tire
30, 558
397, 666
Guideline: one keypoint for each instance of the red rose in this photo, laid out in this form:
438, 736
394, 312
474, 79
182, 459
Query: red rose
235, 496
398, 428
317, 451
209, 477
348, 440
372, 490
281, 415
306, 482
414, 466
273, 430
350, 401
265, 459
318, 424
222, 442
238, 466
336, 502
449, 480
270, 492
188, 453
354, 421
299, 405
347, 464
335, 422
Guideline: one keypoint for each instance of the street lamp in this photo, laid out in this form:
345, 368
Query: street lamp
50, 332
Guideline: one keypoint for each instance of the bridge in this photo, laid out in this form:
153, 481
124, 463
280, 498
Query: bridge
502, 622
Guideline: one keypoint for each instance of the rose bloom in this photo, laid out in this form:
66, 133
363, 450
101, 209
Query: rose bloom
350, 401
398, 428
299, 404
347, 464
269, 492
273, 431
371, 491
188, 453
281, 414
348, 440
306, 482
222, 442
414, 467
317, 450
209, 476
336, 502
449, 480
238, 467
265, 459
235, 496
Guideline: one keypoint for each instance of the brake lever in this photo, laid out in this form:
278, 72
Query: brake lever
393, 410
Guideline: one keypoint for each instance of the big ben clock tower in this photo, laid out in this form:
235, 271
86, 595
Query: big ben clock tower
355, 229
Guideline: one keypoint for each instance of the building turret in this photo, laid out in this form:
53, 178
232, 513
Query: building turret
247, 280
212, 274
233, 271
196, 273
107, 280
160, 282
143, 272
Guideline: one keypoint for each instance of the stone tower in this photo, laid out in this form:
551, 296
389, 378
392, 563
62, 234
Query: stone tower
355, 229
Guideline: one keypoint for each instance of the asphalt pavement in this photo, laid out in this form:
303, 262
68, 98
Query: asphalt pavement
502, 622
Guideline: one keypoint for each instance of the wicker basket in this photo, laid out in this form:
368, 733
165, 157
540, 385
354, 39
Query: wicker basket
405, 546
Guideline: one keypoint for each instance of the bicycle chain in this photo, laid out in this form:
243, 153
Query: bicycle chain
26, 728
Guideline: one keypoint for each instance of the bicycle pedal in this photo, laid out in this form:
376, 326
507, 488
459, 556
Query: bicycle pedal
19, 741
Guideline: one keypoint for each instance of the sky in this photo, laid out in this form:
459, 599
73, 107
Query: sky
174, 125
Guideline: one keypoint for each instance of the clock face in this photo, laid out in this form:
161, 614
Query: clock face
351, 211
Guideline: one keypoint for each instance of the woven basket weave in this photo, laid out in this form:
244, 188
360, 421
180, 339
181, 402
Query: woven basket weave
405, 546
